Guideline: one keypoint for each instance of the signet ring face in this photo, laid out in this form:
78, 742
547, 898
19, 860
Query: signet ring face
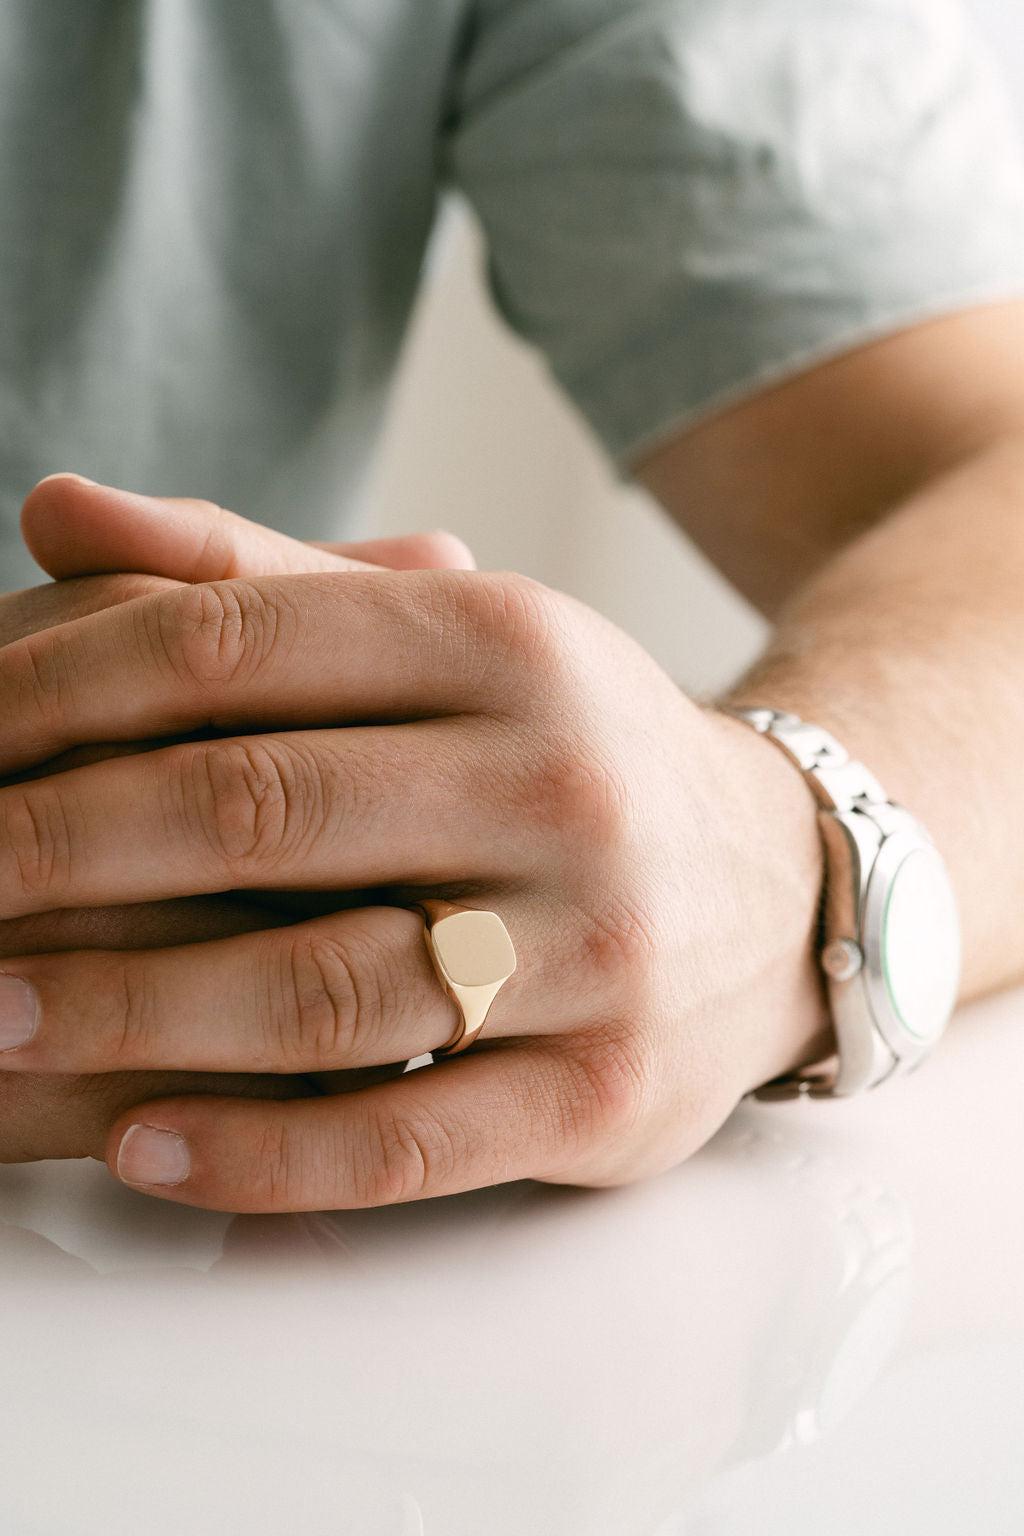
473, 957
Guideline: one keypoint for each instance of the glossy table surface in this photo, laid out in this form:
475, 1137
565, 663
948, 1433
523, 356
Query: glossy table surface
814, 1326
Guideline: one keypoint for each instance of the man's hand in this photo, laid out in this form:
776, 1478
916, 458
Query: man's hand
479, 737
69, 1115
65, 1114
455, 733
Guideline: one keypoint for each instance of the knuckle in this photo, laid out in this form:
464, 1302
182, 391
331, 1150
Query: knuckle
212, 635
210, 513
338, 1008
578, 789
498, 622
606, 1097
43, 669
283, 1167
38, 835
253, 802
135, 1024
619, 951
297, 1165
42, 682
618, 1085
411, 1156
515, 614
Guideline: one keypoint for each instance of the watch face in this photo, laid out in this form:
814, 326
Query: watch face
920, 943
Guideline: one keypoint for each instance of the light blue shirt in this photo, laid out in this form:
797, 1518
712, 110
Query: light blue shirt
213, 215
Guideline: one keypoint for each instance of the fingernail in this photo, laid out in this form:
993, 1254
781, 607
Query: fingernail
150, 1156
67, 474
19, 1012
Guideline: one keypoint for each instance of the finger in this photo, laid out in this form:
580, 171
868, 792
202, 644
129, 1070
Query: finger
438, 550
354, 990
281, 651
38, 608
153, 926
324, 810
73, 528
64, 1115
529, 1109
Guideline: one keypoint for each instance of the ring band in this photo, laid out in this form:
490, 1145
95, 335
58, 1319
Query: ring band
473, 957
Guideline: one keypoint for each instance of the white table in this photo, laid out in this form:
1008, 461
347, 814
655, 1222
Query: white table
814, 1328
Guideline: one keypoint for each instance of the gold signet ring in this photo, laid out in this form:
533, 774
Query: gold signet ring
473, 957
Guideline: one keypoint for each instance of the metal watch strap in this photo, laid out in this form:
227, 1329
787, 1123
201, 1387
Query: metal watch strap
839, 783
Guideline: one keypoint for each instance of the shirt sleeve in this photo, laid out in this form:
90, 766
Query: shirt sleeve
687, 200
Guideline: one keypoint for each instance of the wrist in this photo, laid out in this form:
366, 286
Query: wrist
891, 936
777, 817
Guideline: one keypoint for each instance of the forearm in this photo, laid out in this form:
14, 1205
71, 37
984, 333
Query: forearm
909, 646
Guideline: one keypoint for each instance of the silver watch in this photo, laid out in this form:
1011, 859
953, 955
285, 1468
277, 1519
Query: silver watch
890, 932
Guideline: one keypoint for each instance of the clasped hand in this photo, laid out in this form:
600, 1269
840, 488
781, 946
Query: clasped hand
402, 733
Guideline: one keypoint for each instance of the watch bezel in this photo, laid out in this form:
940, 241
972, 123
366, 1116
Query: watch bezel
908, 1047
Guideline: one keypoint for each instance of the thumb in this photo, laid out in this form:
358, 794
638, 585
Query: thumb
74, 527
